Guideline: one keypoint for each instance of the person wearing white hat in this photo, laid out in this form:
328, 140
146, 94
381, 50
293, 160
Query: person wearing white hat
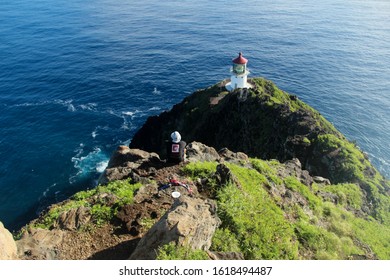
176, 148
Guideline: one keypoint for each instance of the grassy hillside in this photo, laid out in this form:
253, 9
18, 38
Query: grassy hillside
262, 224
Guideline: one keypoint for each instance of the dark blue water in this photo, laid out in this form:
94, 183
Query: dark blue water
79, 77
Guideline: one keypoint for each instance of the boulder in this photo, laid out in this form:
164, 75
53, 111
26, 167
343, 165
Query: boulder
74, 218
321, 180
293, 167
124, 154
224, 176
39, 244
189, 222
130, 163
199, 152
230, 156
7, 244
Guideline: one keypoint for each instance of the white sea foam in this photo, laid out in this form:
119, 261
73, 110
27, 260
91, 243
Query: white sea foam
68, 104
155, 108
95, 132
88, 162
88, 106
131, 113
101, 166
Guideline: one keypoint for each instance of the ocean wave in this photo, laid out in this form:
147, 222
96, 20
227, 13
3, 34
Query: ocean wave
155, 108
95, 133
67, 103
88, 106
131, 113
87, 163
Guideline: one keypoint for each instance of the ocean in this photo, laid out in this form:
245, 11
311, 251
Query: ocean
79, 77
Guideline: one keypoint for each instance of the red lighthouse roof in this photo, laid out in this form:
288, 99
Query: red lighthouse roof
240, 59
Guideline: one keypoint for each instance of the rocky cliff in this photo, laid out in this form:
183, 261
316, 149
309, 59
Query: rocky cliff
265, 177
267, 123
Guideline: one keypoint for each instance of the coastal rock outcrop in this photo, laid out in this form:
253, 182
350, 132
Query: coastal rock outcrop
190, 222
7, 244
39, 244
130, 163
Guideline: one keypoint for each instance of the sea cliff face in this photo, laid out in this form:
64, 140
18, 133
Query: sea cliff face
269, 178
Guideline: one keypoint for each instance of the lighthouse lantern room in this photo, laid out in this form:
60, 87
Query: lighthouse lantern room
239, 74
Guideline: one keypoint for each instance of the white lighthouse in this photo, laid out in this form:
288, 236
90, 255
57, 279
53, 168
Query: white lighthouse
239, 74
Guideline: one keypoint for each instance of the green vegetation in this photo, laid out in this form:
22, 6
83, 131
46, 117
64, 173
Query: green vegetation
351, 161
172, 252
95, 201
349, 165
260, 225
255, 219
348, 195
200, 169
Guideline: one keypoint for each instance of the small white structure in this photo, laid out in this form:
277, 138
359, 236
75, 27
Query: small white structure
239, 74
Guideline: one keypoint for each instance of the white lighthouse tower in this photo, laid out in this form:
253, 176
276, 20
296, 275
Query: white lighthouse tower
239, 74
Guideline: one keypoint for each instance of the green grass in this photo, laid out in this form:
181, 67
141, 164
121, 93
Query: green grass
348, 194
200, 169
352, 163
173, 252
254, 223
258, 224
100, 213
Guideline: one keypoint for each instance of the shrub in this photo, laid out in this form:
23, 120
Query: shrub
101, 213
225, 241
200, 169
171, 251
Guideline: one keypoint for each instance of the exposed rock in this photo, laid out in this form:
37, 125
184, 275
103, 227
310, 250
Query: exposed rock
74, 218
40, 244
130, 163
327, 196
124, 154
7, 244
225, 255
199, 152
190, 222
225, 176
321, 180
230, 156
294, 168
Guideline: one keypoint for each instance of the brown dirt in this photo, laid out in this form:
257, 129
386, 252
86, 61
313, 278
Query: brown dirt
104, 243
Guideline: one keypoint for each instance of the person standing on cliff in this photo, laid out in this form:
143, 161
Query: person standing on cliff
176, 148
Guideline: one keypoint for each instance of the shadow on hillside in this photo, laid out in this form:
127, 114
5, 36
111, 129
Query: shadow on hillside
121, 251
